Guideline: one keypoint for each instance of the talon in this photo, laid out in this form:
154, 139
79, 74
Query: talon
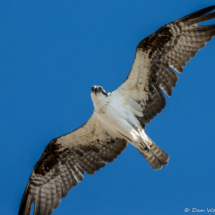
145, 147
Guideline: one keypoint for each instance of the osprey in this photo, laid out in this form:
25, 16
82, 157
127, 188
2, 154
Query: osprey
120, 116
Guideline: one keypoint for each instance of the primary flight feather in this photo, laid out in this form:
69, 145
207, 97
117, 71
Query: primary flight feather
120, 116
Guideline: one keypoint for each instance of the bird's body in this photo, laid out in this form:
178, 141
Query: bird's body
114, 112
117, 115
120, 116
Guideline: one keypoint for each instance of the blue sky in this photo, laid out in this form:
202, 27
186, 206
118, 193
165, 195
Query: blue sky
52, 52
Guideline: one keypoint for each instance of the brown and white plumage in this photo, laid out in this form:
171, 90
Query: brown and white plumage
171, 46
64, 162
119, 117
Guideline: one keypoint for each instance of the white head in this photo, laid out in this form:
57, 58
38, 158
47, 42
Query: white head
99, 96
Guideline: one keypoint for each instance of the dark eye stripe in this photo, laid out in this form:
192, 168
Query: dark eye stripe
104, 93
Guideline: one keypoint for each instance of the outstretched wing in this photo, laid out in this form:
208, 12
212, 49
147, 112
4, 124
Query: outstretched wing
173, 45
63, 163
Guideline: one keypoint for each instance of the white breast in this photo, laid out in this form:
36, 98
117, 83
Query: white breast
119, 116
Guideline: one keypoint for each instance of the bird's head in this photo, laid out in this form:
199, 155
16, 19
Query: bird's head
98, 91
99, 96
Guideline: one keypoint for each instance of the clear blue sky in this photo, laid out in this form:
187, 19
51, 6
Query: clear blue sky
52, 52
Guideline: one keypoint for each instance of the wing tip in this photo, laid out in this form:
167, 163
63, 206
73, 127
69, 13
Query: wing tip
197, 13
25, 206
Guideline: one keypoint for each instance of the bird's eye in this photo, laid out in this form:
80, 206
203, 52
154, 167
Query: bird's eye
100, 89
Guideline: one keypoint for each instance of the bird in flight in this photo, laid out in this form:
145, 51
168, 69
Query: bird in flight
120, 116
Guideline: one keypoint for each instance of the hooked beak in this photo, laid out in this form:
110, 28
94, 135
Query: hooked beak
94, 89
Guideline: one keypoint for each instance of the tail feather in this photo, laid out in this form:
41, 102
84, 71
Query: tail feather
155, 156
164, 163
159, 153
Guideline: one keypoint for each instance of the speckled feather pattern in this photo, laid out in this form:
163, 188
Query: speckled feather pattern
63, 164
87, 149
170, 47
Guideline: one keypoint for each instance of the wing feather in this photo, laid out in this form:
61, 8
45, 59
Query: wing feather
65, 159
63, 163
170, 47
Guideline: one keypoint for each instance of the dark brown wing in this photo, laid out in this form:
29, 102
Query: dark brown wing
63, 163
154, 105
171, 46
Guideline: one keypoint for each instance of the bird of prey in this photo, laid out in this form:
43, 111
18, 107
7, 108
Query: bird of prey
120, 116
